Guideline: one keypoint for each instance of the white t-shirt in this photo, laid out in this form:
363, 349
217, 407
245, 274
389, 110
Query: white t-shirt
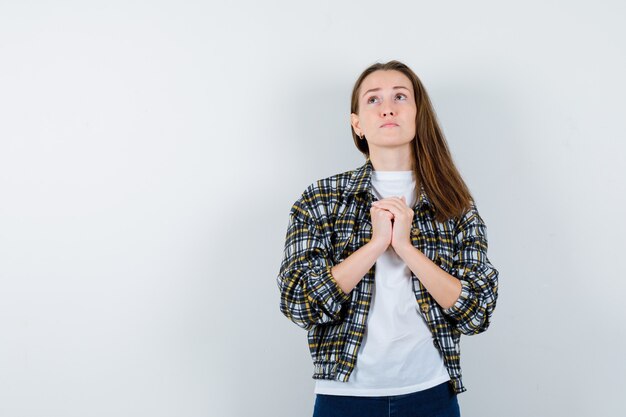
397, 355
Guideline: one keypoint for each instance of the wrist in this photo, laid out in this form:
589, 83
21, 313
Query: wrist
404, 249
378, 245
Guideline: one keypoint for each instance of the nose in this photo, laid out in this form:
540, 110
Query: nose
387, 110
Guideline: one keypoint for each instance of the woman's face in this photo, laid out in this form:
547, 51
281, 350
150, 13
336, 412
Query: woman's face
387, 109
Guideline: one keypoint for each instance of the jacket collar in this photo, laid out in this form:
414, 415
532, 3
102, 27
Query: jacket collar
361, 180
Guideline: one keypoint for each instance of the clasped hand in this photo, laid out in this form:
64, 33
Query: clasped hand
396, 234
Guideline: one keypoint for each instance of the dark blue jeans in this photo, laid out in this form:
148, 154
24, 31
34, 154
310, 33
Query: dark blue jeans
438, 401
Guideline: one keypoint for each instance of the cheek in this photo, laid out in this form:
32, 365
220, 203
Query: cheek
368, 119
411, 120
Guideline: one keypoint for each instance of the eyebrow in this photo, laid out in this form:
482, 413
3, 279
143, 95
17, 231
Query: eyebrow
376, 89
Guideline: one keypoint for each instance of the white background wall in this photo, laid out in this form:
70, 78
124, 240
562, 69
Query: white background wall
150, 152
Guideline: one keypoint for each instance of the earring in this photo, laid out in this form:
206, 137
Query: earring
361, 136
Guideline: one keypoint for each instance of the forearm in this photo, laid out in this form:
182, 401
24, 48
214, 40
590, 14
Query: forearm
443, 287
351, 270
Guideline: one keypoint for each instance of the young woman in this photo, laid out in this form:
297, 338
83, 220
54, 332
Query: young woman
386, 265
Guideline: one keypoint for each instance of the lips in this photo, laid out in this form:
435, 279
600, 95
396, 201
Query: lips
389, 125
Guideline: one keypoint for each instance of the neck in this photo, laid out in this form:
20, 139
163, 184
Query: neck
392, 160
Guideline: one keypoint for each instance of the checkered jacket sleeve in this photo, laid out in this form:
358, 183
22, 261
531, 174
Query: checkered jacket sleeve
309, 294
479, 279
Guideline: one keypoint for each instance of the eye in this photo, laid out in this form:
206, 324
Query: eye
369, 100
401, 95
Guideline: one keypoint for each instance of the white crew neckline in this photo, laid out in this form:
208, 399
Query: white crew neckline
393, 174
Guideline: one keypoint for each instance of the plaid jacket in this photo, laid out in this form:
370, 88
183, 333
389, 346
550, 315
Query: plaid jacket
330, 221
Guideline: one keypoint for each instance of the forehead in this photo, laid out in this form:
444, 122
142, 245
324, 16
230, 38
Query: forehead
386, 79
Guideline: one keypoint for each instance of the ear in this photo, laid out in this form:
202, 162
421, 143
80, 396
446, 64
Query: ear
354, 121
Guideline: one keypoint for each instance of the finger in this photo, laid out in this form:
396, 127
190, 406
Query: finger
380, 209
377, 210
393, 205
400, 202
392, 198
393, 210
